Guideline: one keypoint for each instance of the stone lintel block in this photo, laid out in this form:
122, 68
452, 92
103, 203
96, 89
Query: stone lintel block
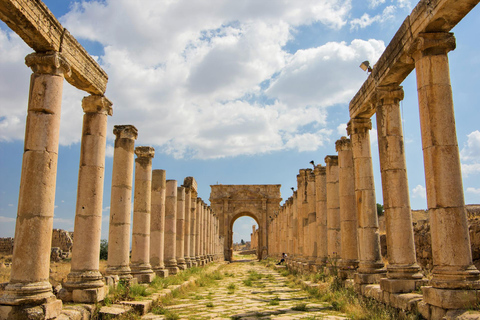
397, 285
89, 295
141, 307
144, 277
450, 299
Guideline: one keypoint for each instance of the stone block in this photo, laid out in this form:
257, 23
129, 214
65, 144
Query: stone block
424, 309
114, 310
450, 299
89, 295
403, 301
368, 278
144, 277
52, 309
142, 307
5, 311
397, 285
437, 313
370, 290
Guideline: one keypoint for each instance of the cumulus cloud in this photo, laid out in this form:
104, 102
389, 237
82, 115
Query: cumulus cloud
6, 219
366, 20
470, 154
342, 129
474, 190
419, 192
208, 80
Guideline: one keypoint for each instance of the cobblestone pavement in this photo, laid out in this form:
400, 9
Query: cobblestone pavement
248, 291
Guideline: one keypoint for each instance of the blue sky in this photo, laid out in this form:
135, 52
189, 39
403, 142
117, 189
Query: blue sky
231, 92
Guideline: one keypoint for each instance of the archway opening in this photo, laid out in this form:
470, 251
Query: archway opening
244, 235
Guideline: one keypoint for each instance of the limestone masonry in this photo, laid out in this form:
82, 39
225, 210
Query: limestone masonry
328, 224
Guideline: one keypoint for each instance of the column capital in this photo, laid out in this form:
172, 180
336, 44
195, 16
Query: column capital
97, 104
432, 43
343, 144
51, 62
358, 125
320, 170
144, 152
310, 176
331, 160
190, 183
388, 95
125, 131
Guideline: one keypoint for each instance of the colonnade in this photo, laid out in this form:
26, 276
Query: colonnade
345, 217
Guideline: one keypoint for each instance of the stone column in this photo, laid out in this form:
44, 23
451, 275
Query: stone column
370, 266
321, 222
402, 269
31, 256
348, 210
198, 253
210, 236
157, 227
180, 236
171, 227
333, 210
311, 241
187, 230
301, 203
85, 282
294, 258
453, 268
204, 233
120, 204
193, 237
142, 202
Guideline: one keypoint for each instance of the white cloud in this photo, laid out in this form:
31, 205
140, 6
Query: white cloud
373, 138
474, 190
468, 169
342, 129
419, 192
470, 154
6, 219
375, 3
366, 20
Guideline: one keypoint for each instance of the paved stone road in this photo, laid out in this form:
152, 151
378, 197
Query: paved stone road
266, 298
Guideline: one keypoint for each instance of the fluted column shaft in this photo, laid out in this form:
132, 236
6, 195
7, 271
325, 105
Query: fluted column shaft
157, 227
33, 228
120, 204
142, 202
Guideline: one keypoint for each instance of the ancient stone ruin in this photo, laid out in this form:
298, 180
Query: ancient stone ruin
330, 221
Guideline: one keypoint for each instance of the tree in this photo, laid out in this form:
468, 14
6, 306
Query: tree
242, 242
379, 210
103, 249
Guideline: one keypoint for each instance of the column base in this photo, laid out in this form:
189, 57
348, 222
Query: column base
182, 266
35, 293
47, 310
193, 262
450, 299
172, 270
411, 271
368, 278
123, 272
188, 262
83, 287
456, 277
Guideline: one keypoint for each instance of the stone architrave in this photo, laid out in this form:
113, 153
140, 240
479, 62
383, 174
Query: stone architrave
402, 269
120, 204
31, 256
348, 212
333, 210
180, 236
171, 227
85, 282
157, 226
142, 202
370, 266
187, 229
451, 251
321, 209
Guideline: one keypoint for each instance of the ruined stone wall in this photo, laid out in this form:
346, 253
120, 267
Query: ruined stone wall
62, 239
6, 245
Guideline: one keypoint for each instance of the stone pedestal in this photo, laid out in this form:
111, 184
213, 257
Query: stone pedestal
141, 268
180, 256
120, 204
348, 212
33, 230
157, 226
370, 267
171, 227
451, 248
85, 282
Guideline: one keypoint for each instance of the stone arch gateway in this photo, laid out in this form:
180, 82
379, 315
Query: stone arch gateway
231, 202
